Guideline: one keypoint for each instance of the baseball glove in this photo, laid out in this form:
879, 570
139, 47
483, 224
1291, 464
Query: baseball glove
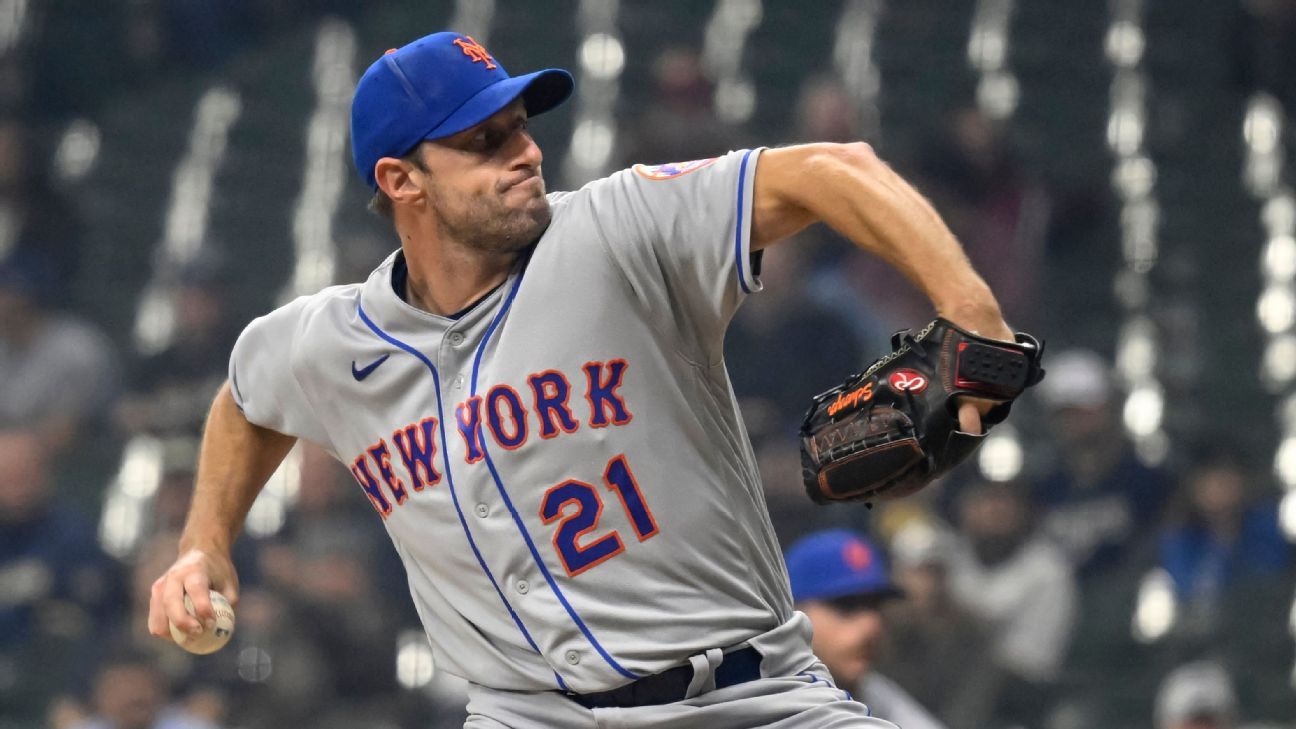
893, 428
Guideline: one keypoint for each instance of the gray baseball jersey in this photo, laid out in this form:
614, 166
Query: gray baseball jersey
563, 468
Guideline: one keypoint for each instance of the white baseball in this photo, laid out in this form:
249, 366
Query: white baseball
213, 639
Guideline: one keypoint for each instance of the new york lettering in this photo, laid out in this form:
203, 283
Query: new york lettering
503, 416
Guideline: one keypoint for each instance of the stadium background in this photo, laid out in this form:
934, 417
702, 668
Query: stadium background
1120, 171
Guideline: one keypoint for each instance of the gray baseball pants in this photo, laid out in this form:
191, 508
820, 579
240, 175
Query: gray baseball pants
795, 692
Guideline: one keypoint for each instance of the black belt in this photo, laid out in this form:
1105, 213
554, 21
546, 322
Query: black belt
669, 686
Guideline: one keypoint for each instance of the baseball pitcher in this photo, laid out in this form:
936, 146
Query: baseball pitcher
531, 395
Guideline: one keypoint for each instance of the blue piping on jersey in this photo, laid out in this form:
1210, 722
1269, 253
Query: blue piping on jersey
445, 459
738, 233
499, 484
815, 679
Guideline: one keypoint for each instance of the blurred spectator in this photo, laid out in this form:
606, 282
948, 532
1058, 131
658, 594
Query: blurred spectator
840, 581
995, 210
1100, 503
1222, 538
679, 122
783, 346
825, 112
171, 500
59, 593
56, 371
169, 508
131, 693
329, 567
937, 650
873, 298
171, 391
1021, 587
792, 513
1197, 696
39, 227
879, 300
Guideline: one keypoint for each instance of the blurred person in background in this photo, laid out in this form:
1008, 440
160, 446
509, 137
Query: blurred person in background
1021, 587
792, 515
333, 569
936, 649
170, 391
36, 220
1223, 538
782, 332
131, 693
170, 505
170, 502
840, 581
825, 112
286, 678
679, 122
59, 592
997, 212
1104, 508
881, 303
838, 277
772, 336
1100, 504
278, 671
56, 371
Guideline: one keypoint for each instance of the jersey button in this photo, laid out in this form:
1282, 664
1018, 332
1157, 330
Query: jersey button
456, 339
458, 382
483, 510
572, 657
523, 586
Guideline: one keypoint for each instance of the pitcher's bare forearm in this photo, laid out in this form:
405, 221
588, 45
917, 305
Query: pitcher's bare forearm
237, 458
847, 187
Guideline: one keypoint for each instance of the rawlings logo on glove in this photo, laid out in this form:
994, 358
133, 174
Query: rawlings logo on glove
893, 428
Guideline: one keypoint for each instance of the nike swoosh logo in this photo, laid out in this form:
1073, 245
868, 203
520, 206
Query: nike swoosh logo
368, 369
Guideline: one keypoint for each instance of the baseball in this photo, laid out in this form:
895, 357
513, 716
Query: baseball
213, 639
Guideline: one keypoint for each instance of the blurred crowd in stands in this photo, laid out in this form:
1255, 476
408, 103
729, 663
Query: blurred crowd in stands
1083, 587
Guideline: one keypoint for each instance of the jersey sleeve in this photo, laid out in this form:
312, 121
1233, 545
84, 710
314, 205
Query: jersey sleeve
261, 375
681, 234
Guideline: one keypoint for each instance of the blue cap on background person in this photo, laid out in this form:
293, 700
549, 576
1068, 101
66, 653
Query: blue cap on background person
434, 87
837, 563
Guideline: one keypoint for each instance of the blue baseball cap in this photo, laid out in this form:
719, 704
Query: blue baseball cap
436, 86
837, 563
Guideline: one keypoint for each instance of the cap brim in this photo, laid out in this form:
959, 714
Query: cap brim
540, 92
845, 586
